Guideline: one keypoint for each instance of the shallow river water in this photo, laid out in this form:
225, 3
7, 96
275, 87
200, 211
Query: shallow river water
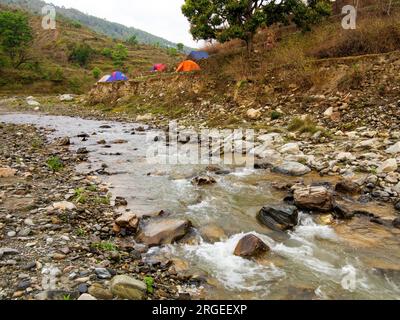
343, 260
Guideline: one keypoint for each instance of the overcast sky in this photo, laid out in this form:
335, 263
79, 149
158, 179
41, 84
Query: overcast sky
159, 17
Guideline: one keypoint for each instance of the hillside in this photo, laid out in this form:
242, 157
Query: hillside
111, 29
50, 69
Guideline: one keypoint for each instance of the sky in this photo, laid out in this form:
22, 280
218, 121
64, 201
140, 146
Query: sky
159, 17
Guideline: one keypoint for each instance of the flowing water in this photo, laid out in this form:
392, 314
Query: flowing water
343, 260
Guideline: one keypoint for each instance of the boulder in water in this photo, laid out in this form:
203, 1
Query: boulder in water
279, 217
203, 181
316, 198
250, 246
292, 168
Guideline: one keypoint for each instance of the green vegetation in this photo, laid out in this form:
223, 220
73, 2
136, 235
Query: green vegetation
132, 40
306, 125
81, 54
80, 232
232, 19
119, 56
180, 47
15, 37
149, 281
55, 164
96, 73
275, 115
104, 246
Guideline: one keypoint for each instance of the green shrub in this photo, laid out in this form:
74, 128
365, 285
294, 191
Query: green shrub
149, 281
81, 54
96, 73
275, 115
107, 52
55, 164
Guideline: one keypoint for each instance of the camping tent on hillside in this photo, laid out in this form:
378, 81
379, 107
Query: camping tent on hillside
160, 67
116, 76
187, 66
198, 55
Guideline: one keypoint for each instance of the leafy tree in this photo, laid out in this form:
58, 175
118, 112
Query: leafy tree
81, 54
107, 52
180, 47
15, 36
173, 52
132, 40
224, 20
119, 55
96, 72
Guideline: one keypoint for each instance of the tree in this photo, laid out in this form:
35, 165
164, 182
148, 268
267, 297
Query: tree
224, 20
132, 40
119, 55
96, 73
81, 54
15, 36
180, 47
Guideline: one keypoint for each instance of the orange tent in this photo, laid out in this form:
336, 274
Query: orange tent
187, 66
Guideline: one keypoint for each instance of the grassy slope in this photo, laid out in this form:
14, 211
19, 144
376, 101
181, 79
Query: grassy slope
50, 51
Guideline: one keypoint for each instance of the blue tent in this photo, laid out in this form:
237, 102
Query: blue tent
117, 76
198, 55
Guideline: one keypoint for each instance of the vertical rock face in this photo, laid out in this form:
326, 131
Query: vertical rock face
279, 217
164, 231
250, 246
125, 287
313, 198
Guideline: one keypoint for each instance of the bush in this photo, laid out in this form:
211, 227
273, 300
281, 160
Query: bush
81, 54
107, 52
55, 164
303, 125
96, 73
119, 55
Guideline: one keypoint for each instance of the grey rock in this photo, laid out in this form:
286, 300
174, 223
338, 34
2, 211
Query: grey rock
103, 273
279, 217
292, 168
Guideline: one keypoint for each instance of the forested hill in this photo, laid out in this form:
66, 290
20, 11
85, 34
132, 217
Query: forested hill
111, 29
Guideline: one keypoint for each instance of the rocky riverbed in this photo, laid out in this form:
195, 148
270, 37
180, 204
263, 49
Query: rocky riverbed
312, 210
56, 229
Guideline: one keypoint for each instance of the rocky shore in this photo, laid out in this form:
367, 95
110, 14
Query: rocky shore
57, 230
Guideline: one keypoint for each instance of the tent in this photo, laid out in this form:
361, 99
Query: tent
198, 55
117, 76
187, 66
160, 67
105, 78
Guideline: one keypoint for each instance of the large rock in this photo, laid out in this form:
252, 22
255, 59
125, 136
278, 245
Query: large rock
290, 148
32, 103
128, 221
7, 172
279, 217
250, 246
128, 288
389, 165
394, 149
212, 233
63, 206
316, 198
292, 168
165, 231
86, 297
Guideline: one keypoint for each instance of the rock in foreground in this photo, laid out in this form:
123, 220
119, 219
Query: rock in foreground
250, 246
279, 217
125, 287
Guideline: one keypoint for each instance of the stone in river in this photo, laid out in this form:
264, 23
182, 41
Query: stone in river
316, 198
279, 217
166, 231
203, 180
250, 246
